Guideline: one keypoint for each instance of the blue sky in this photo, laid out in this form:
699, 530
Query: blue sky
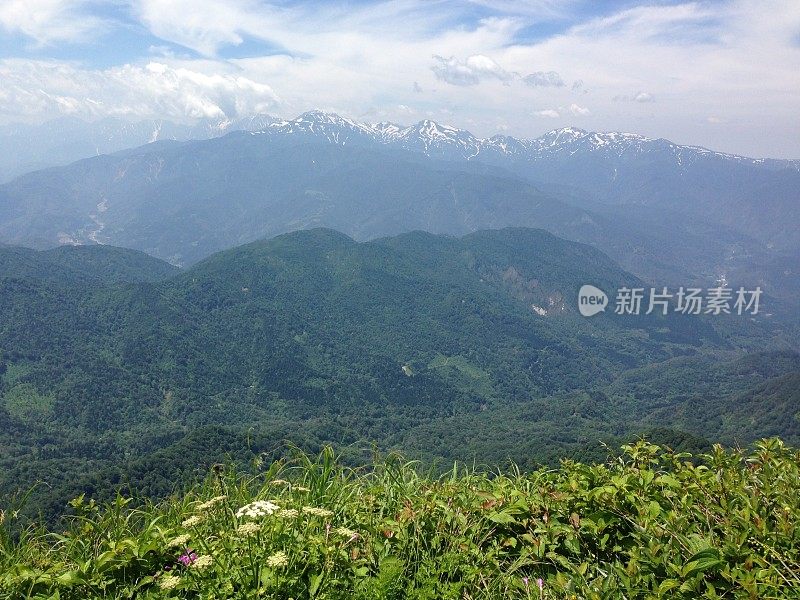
723, 74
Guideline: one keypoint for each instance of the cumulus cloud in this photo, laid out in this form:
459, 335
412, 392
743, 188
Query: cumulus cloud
554, 113
544, 79
642, 97
153, 91
579, 111
354, 57
468, 72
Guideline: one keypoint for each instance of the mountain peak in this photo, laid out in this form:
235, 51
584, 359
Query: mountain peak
433, 129
565, 134
436, 139
320, 116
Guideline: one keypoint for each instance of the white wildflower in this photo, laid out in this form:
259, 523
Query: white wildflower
202, 562
317, 512
279, 559
193, 521
257, 509
168, 582
178, 541
247, 529
211, 503
345, 532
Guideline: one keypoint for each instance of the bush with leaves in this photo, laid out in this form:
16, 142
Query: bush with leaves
649, 524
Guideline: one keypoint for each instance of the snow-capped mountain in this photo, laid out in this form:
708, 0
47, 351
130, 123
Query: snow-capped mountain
442, 141
750, 195
25, 147
756, 198
663, 210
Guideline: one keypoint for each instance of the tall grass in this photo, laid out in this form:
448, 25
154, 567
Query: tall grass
650, 524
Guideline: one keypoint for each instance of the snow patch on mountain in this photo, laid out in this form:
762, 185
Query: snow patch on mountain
443, 141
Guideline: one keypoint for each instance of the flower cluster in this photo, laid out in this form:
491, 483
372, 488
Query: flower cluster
178, 542
168, 582
202, 562
193, 521
257, 509
211, 503
247, 529
279, 559
288, 513
187, 558
317, 512
345, 533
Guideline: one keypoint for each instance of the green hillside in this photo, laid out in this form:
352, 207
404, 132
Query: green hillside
447, 348
82, 264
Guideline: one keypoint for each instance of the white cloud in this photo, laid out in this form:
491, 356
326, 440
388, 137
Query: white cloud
579, 111
544, 79
642, 97
554, 113
471, 71
202, 25
687, 61
539, 9
50, 21
154, 91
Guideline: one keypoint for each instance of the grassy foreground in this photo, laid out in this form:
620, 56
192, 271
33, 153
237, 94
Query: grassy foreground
650, 524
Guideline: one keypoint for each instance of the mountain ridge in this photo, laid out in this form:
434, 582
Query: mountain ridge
71, 139
428, 343
428, 134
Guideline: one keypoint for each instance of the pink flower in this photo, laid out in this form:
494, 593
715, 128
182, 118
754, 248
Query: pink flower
188, 558
525, 581
540, 583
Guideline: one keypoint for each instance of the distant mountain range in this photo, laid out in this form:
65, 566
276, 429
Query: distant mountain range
670, 213
28, 147
68, 139
442, 141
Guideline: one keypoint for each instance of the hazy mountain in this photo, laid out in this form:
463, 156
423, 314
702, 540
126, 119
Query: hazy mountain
756, 197
418, 342
671, 214
28, 147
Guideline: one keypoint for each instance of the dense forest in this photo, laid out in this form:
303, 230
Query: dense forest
120, 370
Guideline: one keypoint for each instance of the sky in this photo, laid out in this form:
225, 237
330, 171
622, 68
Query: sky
720, 74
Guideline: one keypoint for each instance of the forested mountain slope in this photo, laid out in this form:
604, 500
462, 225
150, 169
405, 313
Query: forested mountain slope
439, 345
